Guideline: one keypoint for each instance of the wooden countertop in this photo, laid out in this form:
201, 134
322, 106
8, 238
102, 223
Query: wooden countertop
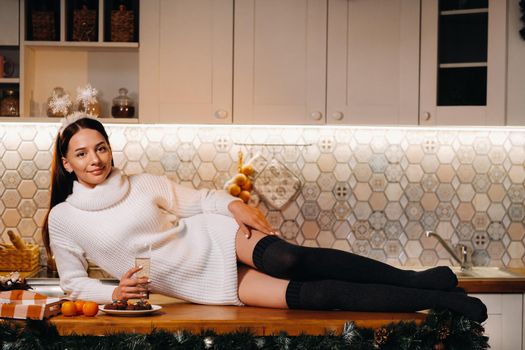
496, 285
222, 319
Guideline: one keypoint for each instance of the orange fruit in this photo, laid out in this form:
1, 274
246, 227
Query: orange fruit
245, 196
247, 170
68, 308
78, 306
240, 179
234, 190
90, 308
247, 186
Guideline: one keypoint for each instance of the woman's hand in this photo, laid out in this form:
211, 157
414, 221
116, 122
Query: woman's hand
131, 287
250, 218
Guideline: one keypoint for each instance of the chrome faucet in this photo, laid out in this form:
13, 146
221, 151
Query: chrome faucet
463, 260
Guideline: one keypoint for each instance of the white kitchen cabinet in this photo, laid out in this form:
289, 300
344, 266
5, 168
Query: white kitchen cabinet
434, 108
188, 72
370, 70
280, 62
185, 68
373, 62
504, 326
9, 22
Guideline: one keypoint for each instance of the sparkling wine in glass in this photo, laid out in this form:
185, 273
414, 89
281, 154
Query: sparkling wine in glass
143, 258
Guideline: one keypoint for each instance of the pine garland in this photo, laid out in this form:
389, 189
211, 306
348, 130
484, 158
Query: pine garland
440, 330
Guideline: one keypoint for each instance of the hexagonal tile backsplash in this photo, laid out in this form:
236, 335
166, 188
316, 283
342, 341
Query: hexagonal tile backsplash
370, 191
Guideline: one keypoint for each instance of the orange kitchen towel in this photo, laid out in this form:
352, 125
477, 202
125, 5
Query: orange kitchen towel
23, 304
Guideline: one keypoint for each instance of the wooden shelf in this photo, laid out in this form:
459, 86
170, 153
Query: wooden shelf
9, 80
80, 44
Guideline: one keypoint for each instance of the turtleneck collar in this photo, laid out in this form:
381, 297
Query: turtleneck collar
102, 196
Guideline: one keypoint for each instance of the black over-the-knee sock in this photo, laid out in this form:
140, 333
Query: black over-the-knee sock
281, 259
342, 295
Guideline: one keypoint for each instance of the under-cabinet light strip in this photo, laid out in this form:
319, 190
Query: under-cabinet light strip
382, 128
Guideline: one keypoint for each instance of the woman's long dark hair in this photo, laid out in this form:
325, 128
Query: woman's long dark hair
61, 180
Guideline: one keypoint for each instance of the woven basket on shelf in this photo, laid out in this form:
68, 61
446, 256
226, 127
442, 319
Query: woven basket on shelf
12, 259
43, 25
122, 26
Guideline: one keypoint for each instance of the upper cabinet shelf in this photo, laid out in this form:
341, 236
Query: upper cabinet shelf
80, 44
82, 23
71, 43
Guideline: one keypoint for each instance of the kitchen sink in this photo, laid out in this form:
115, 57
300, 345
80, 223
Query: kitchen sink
47, 282
51, 286
476, 272
46, 286
485, 272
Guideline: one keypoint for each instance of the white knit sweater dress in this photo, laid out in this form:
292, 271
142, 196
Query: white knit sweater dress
191, 232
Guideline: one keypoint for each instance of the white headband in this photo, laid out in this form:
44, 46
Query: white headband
72, 118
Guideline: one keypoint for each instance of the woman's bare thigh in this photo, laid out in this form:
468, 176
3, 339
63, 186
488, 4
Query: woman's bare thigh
258, 289
244, 246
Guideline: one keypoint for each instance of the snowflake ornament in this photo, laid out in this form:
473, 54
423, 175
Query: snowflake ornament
87, 95
59, 104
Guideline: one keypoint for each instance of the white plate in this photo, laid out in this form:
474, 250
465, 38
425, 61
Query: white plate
154, 308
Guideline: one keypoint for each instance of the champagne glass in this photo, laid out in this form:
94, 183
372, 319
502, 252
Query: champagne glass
143, 258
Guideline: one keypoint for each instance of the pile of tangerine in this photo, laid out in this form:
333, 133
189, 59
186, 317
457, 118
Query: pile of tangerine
79, 307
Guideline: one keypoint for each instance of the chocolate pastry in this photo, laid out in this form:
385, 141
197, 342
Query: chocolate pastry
141, 305
117, 305
124, 305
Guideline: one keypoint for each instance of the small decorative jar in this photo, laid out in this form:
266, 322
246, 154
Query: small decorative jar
123, 105
92, 109
58, 104
9, 103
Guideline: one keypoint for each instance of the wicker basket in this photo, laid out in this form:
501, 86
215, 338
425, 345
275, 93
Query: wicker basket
122, 26
43, 25
84, 25
12, 259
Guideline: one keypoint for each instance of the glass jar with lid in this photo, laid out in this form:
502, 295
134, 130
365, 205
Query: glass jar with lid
123, 105
9, 103
58, 104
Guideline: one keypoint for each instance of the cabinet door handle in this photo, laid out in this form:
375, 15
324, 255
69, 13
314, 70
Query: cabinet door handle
337, 115
221, 114
316, 115
427, 116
